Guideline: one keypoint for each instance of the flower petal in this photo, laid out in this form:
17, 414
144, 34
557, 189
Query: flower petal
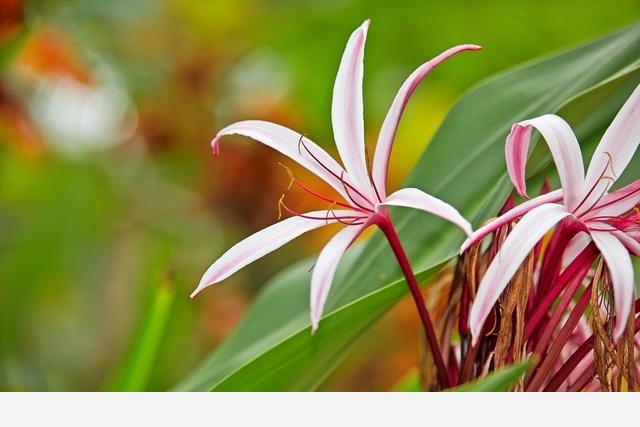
629, 242
511, 215
616, 203
347, 110
288, 142
325, 268
531, 228
576, 245
620, 268
263, 242
616, 148
391, 121
418, 199
564, 148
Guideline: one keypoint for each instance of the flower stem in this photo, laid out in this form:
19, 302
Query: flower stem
544, 369
394, 241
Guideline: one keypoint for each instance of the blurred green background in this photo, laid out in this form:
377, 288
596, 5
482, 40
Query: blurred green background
111, 204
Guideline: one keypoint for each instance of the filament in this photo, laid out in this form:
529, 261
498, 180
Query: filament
301, 143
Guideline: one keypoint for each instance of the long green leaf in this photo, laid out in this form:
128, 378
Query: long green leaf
137, 366
463, 165
500, 380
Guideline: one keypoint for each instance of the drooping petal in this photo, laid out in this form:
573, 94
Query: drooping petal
620, 269
263, 242
418, 199
564, 148
629, 242
616, 203
391, 121
613, 154
325, 268
531, 228
576, 245
347, 110
288, 142
511, 215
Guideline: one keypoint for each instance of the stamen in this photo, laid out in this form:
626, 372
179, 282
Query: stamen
600, 178
310, 191
345, 185
610, 163
301, 143
369, 169
342, 219
375, 189
622, 223
280, 204
619, 199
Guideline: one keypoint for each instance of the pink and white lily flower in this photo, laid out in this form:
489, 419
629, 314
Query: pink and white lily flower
601, 216
364, 195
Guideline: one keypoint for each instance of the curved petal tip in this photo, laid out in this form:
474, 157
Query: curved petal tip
195, 293
471, 47
215, 145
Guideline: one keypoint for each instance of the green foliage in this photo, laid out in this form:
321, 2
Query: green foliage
464, 165
500, 380
137, 366
409, 383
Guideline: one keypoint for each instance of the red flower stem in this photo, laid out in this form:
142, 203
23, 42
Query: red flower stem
583, 380
564, 302
563, 373
554, 351
463, 313
586, 257
553, 256
580, 353
394, 241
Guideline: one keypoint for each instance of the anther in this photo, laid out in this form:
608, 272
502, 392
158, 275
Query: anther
290, 173
280, 204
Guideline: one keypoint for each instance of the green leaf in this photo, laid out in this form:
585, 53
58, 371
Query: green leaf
136, 368
409, 383
500, 380
464, 165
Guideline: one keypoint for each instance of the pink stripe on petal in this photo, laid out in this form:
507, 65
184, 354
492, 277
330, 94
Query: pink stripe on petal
617, 203
325, 269
564, 148
418, 199
263, 242
347, 110
616, 148
391, 121
629, 242
531, 228
620, 268
509, 216
288, 143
